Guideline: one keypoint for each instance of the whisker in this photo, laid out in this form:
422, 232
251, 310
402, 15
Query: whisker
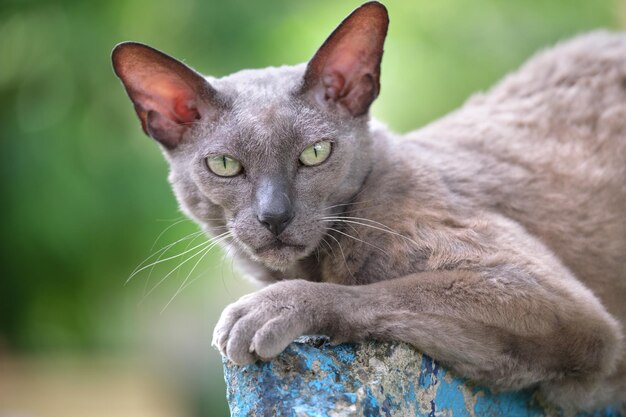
218, 227
158, 284
359, 240
226, 253
205, 252
165, 248
160, 253
207, 243
236, 250
186, 247
353, 229
387, 230
147, 283
165, 231
232, 262
354, 203
194, 279
329, 246
357, 219
354, 200
162, 260
198, 252
342, 255
173, 220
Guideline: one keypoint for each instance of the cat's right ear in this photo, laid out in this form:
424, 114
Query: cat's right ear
168, 95
345, 71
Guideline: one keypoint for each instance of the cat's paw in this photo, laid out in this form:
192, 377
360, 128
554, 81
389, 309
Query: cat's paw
262, 324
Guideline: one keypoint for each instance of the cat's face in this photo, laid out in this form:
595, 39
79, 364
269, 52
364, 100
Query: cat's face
265, 155
266, 131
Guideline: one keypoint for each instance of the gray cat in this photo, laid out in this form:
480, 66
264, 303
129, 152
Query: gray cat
493, 240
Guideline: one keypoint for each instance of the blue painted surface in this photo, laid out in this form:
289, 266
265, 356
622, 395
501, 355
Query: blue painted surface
315, 379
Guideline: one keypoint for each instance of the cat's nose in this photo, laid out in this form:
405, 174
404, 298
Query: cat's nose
276, 222
274, 208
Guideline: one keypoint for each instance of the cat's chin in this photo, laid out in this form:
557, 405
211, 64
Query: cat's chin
279, 256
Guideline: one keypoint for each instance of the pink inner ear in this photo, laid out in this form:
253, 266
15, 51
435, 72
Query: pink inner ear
350, 60
168, 96
186, 110
349, 75
339, 74
346, 68
333, 85
173, 99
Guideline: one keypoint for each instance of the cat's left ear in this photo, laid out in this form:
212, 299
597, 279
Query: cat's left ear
168, 95
345, 71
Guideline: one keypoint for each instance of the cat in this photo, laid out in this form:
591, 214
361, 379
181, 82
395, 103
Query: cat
493, 240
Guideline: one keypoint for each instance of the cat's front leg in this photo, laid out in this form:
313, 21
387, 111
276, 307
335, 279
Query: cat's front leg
499, 325
261, 325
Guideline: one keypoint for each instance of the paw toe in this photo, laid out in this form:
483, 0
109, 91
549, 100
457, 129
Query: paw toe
274, 337
239, 340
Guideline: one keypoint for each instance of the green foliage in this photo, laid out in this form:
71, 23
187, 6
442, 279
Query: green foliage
82, 187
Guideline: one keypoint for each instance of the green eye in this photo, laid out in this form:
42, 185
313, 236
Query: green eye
223, 165
316, 153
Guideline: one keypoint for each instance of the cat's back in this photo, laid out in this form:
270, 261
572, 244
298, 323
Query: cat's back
547, 148
565, 104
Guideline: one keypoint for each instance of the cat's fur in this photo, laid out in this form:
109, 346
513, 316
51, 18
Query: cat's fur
493, 239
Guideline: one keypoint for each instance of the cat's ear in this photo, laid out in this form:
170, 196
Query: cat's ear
168, 95
345, 71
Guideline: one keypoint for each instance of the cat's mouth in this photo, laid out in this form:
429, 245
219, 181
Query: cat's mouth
279, 254
277, 244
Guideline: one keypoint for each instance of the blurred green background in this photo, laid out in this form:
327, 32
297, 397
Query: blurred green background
85, 196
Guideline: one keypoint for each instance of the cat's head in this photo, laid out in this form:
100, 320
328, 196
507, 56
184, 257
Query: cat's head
265, 154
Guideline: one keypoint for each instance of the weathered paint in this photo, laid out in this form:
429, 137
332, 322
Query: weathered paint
315, 379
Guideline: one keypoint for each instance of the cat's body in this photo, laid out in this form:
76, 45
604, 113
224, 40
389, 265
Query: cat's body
481, 239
